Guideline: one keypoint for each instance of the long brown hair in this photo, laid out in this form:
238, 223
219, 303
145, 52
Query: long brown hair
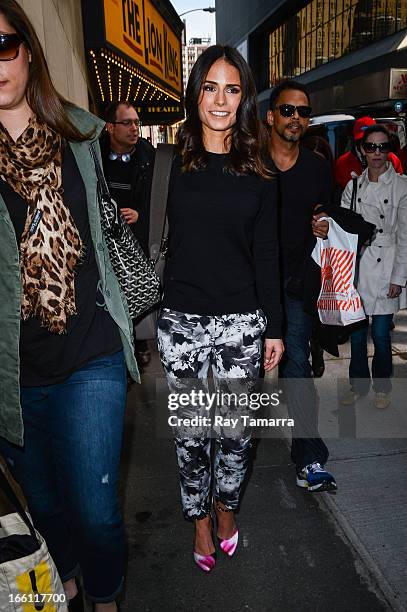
44, 100
248, 137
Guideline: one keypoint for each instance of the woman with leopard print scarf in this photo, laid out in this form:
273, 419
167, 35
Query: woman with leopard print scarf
66, 336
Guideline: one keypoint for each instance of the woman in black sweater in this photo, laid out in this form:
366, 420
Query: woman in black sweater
221, 289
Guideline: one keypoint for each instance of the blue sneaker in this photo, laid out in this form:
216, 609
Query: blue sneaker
315, 478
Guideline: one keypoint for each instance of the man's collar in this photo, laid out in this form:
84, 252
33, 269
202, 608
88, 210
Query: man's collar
296, 150
124, 157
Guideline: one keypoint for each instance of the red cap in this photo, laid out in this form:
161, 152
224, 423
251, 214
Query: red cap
360, 126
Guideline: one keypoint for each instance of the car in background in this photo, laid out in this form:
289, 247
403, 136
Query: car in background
336, 129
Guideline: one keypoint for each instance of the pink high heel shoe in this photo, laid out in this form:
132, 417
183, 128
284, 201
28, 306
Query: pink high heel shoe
205, 562
228, 546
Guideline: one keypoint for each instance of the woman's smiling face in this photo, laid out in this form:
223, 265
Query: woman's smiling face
220, 98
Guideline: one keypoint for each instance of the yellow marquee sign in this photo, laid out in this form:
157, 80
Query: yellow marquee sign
136, 28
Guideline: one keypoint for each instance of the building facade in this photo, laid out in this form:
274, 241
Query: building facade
58, 24
190, 54
352, 54
99, 51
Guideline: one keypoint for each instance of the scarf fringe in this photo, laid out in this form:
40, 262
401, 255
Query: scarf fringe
48, 320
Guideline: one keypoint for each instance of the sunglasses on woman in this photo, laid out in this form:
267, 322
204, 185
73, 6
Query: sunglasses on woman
288, 110
9, 46
372, 147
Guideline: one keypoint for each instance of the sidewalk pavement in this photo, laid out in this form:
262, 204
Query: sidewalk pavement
298, 552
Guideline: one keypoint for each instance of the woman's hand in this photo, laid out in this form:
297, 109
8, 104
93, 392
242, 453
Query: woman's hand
394, 291
273, 351
129, 215
320, 229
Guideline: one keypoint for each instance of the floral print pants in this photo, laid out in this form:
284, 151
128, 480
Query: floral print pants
232, 344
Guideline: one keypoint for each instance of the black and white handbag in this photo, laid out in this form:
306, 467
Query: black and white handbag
135, 273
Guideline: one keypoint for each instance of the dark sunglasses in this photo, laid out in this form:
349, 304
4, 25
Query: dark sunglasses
9, 46
288, 110
372, 147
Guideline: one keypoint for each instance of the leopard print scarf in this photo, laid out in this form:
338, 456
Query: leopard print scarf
50, 244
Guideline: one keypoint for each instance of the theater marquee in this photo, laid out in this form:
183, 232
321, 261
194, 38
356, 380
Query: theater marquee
137, 29
134, 53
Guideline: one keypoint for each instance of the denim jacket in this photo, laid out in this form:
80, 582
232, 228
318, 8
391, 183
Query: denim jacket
11, 424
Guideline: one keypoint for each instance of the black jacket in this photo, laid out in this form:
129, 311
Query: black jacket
140, 184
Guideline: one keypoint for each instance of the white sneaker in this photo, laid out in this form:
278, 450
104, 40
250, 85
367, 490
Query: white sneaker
382, 400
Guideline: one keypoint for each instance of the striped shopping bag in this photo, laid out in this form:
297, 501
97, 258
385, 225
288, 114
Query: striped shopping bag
339, 302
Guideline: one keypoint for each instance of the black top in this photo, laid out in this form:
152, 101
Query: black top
119, 175
47, 358
308, 183
223, 248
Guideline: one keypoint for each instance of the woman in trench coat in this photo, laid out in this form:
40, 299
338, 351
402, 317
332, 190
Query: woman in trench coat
381, 198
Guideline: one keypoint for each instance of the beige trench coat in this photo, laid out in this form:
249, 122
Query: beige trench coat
385, 261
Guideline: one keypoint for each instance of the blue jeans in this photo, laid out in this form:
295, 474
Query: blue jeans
68, 470
382, 365
307, 445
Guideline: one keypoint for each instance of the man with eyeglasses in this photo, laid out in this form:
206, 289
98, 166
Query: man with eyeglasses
304, 182
352, 163
128, 162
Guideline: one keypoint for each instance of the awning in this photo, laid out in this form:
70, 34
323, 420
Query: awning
133, 52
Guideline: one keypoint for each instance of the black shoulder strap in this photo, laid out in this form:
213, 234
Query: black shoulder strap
6, 487
158, 202
104, 194
354, 192
99, 172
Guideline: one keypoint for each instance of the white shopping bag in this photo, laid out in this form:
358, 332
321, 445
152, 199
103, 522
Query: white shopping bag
29, 580
338, 303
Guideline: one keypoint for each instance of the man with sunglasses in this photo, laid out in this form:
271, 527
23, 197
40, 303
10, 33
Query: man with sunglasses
304, 182
352, 163
128, 162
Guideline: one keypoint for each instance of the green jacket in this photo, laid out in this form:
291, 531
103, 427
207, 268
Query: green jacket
11, 425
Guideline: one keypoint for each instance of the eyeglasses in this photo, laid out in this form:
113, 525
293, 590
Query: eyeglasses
288, 110
9, 46
372, 147
128, 122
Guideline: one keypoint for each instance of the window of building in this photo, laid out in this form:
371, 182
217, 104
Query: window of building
325, 30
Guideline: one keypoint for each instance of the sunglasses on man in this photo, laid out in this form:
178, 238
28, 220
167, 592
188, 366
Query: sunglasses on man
372, 147
288, 110
9, 46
